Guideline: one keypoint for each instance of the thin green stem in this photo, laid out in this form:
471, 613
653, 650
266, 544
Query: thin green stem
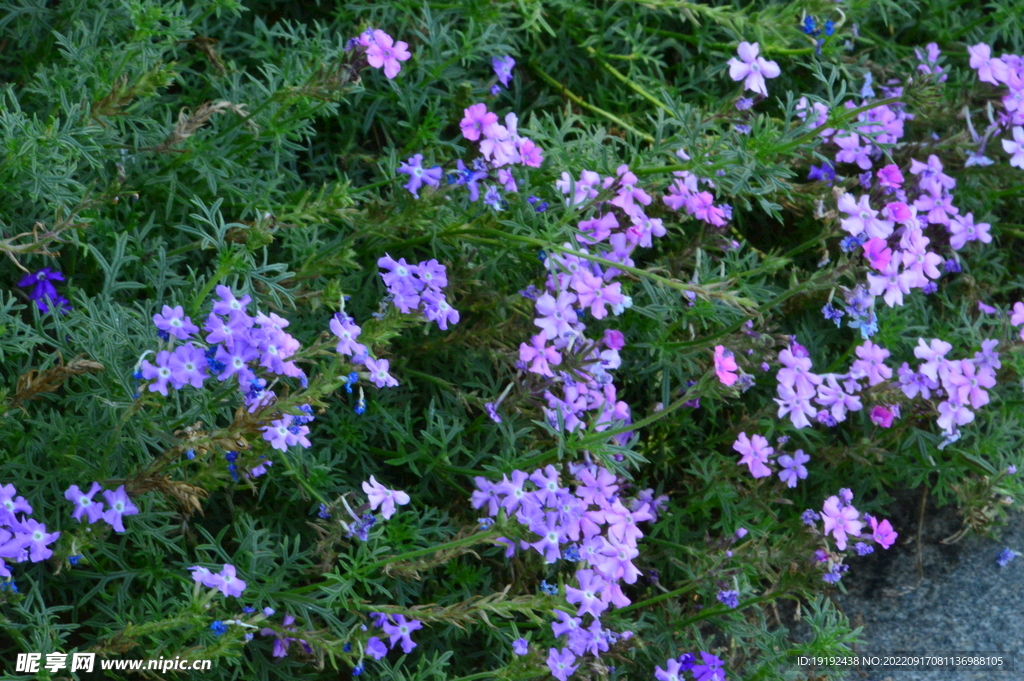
481, 538
627, 81
543, 75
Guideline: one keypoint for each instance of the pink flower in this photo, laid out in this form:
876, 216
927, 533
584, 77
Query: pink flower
477, 119
752, 69
890, 176
841, 520
540, 354
877, 254
725, 364
883, 532
881, 416
384, 51
379, 495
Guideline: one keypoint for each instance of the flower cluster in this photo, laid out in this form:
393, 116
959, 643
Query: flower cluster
601, 531
963, 382
500, 147
21, 537
411, 286
844, 522
85, 504
1006, 70
226, 581
755, 453
378, 496
237, 345
44, 293
685, 193
709, 668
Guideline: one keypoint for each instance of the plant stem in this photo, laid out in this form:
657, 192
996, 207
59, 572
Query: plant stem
543, 75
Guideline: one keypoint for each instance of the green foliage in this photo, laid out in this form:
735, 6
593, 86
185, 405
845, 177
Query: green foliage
153, 151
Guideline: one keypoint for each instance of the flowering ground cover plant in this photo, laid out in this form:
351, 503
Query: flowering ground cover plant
495, 340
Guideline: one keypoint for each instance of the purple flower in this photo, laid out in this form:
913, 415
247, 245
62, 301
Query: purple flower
1015, 147
871, 363
793, 467
809, 517
284, 433
174, 322
520, 646
503, 68
378, 369
673, 671
852, 151
432, 273
161, 372
551, 535
863, 549
230, 305
752, 69
346, 330
44, 291
437, 309
561, 663
492, 411
730, 598
755, 453
384, 51
380, 495
36, 538
402, 630
188, 366
711, 670
84, 503
964, 230
591, 595
825, 173
230, 584
1005, 556
418, 175
120, 506
375, 648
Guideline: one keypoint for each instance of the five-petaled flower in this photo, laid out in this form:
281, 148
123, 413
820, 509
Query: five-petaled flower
752, 69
